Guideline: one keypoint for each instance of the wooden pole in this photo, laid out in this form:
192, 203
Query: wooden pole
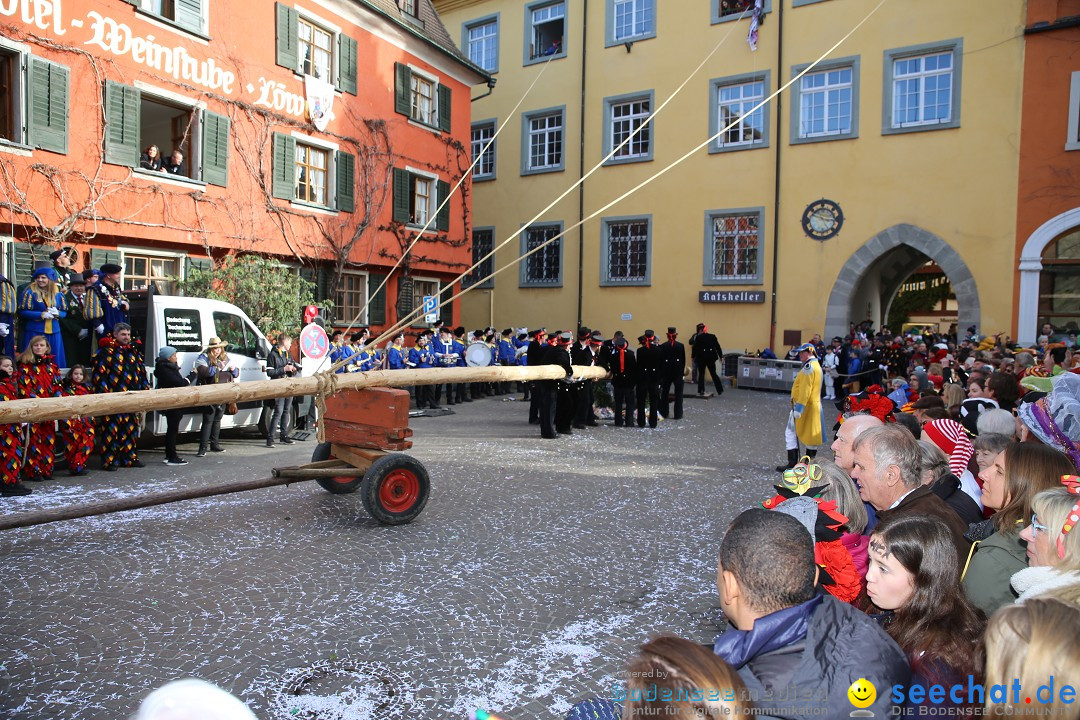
138, 401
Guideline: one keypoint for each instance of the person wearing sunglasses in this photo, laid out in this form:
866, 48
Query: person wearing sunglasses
1053, 544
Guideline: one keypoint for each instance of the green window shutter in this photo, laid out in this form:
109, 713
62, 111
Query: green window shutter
347, 62
132, 2
402, 192
442, 192
402, 89
444, 108
189, 14
288, 35
322, 283
345, 168
284, 167
22, 261
47, 118
405, 298
377, 302
215, 149
201, 264
100, 257
121, 124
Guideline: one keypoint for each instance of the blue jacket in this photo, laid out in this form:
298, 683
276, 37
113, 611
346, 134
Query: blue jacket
396, 358
341, 353
505, 355
30, 308
422, 357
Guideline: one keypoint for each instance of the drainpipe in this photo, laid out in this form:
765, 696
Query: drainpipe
581, 165
776, 180
491, 88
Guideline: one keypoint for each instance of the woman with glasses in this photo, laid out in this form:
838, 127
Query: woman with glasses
1014, 477
1053, 543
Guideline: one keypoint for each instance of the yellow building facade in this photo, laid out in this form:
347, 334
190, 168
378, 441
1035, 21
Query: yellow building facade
898, 148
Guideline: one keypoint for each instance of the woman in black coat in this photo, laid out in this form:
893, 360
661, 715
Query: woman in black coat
167, 374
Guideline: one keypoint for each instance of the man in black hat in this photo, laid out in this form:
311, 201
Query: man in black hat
61, 260
91, 277
622, 364
106, 304
461, 390
582, 354
566, 390
536, 355
650, 362
73, 327
706, 352
504, 356
674, 369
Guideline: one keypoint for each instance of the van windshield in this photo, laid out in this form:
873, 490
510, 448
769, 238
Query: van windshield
233, 330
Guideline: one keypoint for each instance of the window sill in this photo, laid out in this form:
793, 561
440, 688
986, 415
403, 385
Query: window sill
905, 129
822, 138
312, 207
167, 179
542, 171
482, 178
412, 20
168, 24
543, 58
16, 149
717, 149
625, 283
747, 281
1072, 145
418, 228
540, 286
627, 160
301, 76
424, 126
621, 42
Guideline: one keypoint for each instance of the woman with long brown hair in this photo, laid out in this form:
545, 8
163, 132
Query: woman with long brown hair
37, 376
914, 577
1016, 475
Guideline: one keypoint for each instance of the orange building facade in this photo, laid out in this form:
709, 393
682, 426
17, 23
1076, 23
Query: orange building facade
1048, 217
324, 133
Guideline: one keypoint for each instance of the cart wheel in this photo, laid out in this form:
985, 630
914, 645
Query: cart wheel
395, 489
338, 485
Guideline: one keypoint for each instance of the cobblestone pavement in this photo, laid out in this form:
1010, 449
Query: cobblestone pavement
526, 583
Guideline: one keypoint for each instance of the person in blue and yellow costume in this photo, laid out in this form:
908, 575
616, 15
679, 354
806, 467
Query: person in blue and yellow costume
11, 436
118, 366
805, 420
8, 299
37, 376
41, 305
106, 304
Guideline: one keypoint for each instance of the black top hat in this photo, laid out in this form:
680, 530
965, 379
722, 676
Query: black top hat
111, 269
671, 330
649, 334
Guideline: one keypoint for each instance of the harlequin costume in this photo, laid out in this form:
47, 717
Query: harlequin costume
78, 432
118, 368
11, 444
39, 378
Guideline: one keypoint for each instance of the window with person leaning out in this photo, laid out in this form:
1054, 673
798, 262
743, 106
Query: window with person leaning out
151, 159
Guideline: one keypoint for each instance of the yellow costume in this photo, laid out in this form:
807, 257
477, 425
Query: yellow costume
806, 402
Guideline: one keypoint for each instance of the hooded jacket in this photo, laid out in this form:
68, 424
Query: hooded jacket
998, 556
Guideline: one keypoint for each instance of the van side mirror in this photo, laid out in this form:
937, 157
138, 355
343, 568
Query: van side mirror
262, 348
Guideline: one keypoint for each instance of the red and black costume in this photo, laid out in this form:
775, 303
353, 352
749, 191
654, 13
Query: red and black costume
39, 378
78, 432
11, 437
118, 368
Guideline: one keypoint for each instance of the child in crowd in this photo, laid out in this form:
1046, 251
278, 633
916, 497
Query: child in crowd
77, 432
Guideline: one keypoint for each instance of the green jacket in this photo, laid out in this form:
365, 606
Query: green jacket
994, 561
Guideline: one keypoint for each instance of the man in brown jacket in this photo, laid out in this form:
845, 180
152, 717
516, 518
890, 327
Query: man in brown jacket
888, 471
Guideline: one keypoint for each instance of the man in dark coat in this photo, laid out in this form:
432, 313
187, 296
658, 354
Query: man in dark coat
118, 367
798, 651
565, 391
535, 356
650, 362
888, 470
582, 354
73, 328
106, 304
674, 356
622, 364
706, 352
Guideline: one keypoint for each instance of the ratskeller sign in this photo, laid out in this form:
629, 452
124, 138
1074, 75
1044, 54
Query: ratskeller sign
731, 296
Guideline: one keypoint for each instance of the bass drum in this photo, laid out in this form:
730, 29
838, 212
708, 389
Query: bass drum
478, 354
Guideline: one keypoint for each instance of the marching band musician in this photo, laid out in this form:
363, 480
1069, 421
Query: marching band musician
445, 356
339, 350
363, 360
422, 357
506, 356
397, 357
521, 357
461, 390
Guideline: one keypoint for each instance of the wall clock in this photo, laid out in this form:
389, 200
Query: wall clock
822, 219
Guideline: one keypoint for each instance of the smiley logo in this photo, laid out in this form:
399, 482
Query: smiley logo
862, 693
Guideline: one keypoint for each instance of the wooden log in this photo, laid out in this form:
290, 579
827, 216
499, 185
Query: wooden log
44, 409
307, 473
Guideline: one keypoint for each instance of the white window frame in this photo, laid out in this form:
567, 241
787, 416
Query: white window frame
489, 264
126, 250
433, 200
147, 13
433, 123
476, 147
606, 280
610, 104
340, 307
612, 31
1072, 140
527, 168
335, 33
798, 97
331, 149
716, 17
194, 158
955, 49
469, 26
709, 277
19, 101
418, 300
717, 121
530, 31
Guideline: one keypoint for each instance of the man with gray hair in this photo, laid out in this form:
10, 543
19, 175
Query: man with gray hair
1001, 422
888, 469
852, 428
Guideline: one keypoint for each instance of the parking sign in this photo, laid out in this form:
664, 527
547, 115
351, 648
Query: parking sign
431, 308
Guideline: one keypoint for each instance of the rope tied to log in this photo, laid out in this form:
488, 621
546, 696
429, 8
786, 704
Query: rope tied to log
328, 385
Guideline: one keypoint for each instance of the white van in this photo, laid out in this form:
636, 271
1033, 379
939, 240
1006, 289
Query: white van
187, 324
